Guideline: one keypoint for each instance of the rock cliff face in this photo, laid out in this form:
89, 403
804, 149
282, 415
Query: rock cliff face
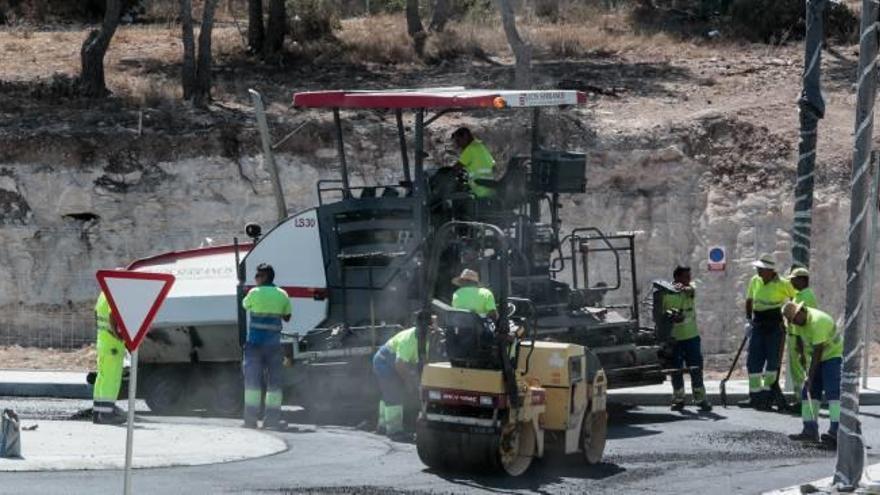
69, 206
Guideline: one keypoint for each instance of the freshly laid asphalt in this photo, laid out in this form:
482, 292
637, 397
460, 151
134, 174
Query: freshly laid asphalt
650, 450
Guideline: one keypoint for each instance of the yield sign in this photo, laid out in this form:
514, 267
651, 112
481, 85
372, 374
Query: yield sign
135, 298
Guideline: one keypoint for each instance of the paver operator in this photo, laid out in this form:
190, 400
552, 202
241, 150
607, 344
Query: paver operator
680, 308
476, 159
798, 352
819, 332
111, 356
766, 294
472, 297
395, 366
267, 305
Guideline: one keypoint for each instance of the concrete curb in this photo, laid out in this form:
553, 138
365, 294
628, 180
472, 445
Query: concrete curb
62, 385
660, 399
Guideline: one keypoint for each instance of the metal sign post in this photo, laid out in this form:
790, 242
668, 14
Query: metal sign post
129, 434
135, 299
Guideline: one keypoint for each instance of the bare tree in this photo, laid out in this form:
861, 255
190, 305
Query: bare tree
255, 26
94, 48
414, 27
202, 93
522, 51
276, 28
188, 68
440, 16
196, 72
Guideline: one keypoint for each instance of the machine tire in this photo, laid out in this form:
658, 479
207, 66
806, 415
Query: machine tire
516, 448
594, 433
227, 392
164, 390
429, 447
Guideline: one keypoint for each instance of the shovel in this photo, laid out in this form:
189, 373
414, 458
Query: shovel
742, 345
778, 396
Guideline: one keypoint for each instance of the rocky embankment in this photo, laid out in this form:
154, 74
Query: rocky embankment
73, 201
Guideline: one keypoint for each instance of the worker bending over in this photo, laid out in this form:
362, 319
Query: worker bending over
470, 296
680, 308
819, 332
766, 294
395, 366
476, 159
267, 306
111, 354
798, 353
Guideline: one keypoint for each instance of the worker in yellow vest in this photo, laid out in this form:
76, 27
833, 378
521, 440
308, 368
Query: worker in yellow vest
766, 294
267, 306
476, 159
798, 352
111, 356
680, 309
395, 366
820, 332
472, 297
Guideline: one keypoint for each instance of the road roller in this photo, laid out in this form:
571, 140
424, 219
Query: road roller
493, 397
468, 421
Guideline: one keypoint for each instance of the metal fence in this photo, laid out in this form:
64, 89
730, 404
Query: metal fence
48, 294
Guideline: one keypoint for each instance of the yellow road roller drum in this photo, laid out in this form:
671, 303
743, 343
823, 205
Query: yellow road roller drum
469, 421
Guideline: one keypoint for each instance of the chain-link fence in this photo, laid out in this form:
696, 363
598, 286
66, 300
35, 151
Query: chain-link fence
48, 292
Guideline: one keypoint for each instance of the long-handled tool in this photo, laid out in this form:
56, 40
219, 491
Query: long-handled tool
742, 346
778, 396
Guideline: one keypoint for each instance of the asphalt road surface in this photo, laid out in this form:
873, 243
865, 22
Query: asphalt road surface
650, 450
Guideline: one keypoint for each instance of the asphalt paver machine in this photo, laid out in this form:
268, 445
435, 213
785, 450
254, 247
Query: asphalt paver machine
355, 265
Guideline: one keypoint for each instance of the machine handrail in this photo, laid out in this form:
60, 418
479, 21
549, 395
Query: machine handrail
405, 188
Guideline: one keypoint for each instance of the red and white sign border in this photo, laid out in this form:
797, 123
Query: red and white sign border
133, 340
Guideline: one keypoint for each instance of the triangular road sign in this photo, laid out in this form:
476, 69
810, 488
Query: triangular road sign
135, 298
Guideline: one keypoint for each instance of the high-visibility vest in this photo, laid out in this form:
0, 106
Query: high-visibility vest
103, 313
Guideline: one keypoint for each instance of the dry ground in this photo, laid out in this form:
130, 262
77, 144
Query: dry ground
32, 358
640, 83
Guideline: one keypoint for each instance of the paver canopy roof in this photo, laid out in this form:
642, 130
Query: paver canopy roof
438, 98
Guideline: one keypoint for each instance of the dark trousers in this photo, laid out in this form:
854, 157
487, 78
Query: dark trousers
827, 380
764, 346
262, 360
390, 383
687, 353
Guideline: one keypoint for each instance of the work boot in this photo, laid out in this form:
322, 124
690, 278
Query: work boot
100, 418
705, 406
275, 426
677, 406
402, 437
810, 432
829, 440
805, 436
764, 401
747, 403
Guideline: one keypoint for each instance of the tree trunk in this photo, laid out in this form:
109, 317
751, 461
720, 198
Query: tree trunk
255, 26
91, 78
522, 51
812, 108
276, 28
440, 16
414, 27
202, 93
188, 68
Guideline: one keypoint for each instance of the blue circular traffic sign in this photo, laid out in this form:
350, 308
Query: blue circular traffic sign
716, 255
